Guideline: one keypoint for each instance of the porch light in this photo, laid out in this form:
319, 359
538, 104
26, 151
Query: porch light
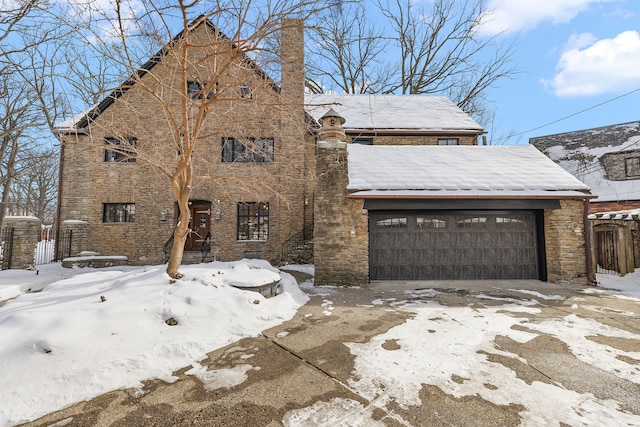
217, 214
353, 231
163, 215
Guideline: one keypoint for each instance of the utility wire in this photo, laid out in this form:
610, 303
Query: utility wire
571, 115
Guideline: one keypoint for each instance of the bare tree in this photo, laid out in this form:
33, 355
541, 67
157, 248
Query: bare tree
349, 49
34, 189
414, 50
192, 82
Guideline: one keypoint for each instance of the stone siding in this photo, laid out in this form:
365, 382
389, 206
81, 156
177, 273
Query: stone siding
565, 243
341, 258
400, 139
615, 165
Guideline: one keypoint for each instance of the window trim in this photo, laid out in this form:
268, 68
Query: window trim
110, 213
235, 151
120, 155
258, 231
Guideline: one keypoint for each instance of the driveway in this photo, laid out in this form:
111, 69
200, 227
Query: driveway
408, 354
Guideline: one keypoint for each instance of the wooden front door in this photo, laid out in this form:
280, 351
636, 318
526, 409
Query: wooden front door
199, 224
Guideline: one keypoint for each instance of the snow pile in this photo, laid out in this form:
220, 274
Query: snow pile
103, 330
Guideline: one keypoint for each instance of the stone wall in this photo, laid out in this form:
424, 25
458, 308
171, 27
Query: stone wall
615, 165
341, 225
413, 139
26, 230
565, 243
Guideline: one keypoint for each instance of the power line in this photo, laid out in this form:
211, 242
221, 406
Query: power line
571, 115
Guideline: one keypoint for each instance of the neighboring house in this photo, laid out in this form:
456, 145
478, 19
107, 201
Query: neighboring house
607, 159
395, 187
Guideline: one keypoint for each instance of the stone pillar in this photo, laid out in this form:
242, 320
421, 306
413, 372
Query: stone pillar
25, 239
79, 238
341, 250
565, 243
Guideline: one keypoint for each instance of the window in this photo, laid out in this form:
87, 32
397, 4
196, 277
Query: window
632, 166
246, 92
476, 222
253, 221
447, 141
363, 141
258, 150
118, 212
431, 223
511, 222
120, 149
195, 90
391, 223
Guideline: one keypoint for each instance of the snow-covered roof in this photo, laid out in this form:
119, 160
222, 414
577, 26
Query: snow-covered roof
468, 171
580, 154
410, 112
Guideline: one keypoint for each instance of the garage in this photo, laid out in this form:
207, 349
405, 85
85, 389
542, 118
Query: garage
455, 245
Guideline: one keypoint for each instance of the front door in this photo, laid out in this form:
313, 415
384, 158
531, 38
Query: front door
199, 224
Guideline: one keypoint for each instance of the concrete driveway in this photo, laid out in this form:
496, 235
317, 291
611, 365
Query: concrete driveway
408, 354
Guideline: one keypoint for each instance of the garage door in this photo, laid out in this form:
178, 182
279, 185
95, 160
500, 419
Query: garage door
452, 245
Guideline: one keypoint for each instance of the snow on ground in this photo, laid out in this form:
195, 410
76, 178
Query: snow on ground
99, 330
65, 344
628, 285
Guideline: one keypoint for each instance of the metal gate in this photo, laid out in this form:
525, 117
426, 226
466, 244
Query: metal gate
64, 245
6, 248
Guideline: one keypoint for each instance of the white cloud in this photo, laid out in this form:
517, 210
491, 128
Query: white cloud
517, 15
589, 67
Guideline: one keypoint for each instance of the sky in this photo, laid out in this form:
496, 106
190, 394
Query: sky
580, 63
93, 349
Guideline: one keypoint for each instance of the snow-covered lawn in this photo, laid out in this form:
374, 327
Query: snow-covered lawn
72, 334
101, 330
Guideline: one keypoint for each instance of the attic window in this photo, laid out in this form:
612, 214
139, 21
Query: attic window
120, 149
195, 90
362, 141
632, 166
447, 141
246, 92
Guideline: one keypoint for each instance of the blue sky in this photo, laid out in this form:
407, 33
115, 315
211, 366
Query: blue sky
574, 55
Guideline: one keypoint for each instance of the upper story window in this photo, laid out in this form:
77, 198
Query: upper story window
120, 149
361, 140
195, 90
632, 166
246, 92
256, 150
447, 141
118, 212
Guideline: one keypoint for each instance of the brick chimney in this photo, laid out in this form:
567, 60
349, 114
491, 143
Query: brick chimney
292, 61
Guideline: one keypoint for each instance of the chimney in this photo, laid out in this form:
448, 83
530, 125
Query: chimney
292, 61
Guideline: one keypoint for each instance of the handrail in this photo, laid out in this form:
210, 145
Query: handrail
295, 241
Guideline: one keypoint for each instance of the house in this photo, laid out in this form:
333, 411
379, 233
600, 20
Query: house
607, 159
395, 187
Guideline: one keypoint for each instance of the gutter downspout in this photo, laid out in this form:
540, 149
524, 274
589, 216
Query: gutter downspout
58, 209
591, 277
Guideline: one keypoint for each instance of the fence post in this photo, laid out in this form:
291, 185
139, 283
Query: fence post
25, 240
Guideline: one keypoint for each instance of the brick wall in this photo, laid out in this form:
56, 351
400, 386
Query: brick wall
88, 182
565, 243
341, 259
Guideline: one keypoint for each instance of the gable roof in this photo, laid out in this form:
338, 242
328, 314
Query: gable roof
81, 121
581, 152
379, 112
458, 171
